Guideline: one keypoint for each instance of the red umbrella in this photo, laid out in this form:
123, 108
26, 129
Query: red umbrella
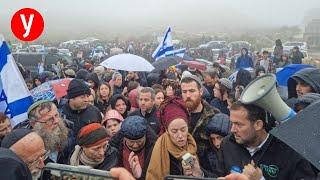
195, 64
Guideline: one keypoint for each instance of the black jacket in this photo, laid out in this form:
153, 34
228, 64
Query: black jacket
151, 138
151, 118
81, 118
12, 167
101, 105
275, 159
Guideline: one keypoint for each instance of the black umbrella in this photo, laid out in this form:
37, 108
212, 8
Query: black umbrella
166, 62
302, 133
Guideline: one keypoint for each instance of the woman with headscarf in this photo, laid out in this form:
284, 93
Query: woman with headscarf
174, 143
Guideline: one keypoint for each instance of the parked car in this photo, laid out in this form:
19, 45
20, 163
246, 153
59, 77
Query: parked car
30, 61
290, 45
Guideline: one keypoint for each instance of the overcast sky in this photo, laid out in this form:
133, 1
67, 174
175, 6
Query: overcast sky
112, 14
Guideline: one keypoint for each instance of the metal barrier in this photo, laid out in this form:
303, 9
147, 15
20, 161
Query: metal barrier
67, 172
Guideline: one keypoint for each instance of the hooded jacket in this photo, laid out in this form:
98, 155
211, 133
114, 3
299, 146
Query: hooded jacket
94, 77
310, 76
199, 134
276, 160
244, 61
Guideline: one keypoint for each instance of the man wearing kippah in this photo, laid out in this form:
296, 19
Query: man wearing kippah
93, 149
77, 109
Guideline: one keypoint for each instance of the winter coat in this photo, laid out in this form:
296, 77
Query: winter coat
81, 118
276, 160
151, 118
221, 105
296, 57
244, 61
311, 76
202, 139
12, 167
151, 138
102, 106
93, 77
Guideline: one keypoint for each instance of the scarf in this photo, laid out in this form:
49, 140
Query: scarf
125, 156
79, 157
159, 165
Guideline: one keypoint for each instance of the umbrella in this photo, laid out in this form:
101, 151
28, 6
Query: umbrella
286, 72
127, 62
195, 64
166, 62
51, 90
302, 133
114, 51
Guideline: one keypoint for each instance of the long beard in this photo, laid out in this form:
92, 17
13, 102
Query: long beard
55, 140
192, 105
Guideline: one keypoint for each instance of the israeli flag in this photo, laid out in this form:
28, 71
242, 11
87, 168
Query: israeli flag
164, 46
178, 52
15, 97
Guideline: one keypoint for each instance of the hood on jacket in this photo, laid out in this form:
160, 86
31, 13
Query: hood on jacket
310, 76
93, 77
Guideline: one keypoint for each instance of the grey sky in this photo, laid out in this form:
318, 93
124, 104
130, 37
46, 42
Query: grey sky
185, 14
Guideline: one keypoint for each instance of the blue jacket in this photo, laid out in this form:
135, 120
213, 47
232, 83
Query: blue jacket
244, 62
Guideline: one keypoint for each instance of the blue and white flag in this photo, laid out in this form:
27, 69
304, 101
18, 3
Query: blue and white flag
15, 97
164, 46
178, 52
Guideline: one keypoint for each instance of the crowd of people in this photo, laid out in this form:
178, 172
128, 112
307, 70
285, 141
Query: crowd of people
149, 126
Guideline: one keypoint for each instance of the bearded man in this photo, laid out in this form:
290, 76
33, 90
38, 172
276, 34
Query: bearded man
45, 120
201, 113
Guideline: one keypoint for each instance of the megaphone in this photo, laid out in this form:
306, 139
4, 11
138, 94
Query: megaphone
263, 93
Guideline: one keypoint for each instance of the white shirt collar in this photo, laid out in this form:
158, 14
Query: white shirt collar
252, 151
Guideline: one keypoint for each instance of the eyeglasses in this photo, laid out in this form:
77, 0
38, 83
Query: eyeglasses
132, 142
37, 161
50, 120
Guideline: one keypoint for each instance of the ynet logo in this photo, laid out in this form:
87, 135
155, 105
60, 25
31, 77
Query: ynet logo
27, 24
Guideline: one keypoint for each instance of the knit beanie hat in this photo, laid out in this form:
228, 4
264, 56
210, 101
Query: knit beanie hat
77, 87
92, 135
134, 127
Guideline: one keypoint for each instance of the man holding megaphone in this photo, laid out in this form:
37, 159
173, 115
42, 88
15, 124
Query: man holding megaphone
250, 141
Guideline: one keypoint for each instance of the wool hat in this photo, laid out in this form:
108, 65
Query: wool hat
70, 72
14, 136
134, 127
170, 109
92, 135
226, 83
194, 77
77, 87
112, 114
219, 124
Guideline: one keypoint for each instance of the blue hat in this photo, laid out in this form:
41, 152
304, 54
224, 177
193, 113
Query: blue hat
134, 127
219, 124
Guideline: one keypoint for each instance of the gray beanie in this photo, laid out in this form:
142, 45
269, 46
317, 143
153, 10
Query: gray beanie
226, 83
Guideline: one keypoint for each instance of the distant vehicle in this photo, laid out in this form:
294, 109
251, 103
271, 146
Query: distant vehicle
214, 45
36, 48
98, 53
30, 61
65, 52
290, 45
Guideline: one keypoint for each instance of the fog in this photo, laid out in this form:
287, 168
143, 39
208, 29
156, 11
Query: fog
115, 17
